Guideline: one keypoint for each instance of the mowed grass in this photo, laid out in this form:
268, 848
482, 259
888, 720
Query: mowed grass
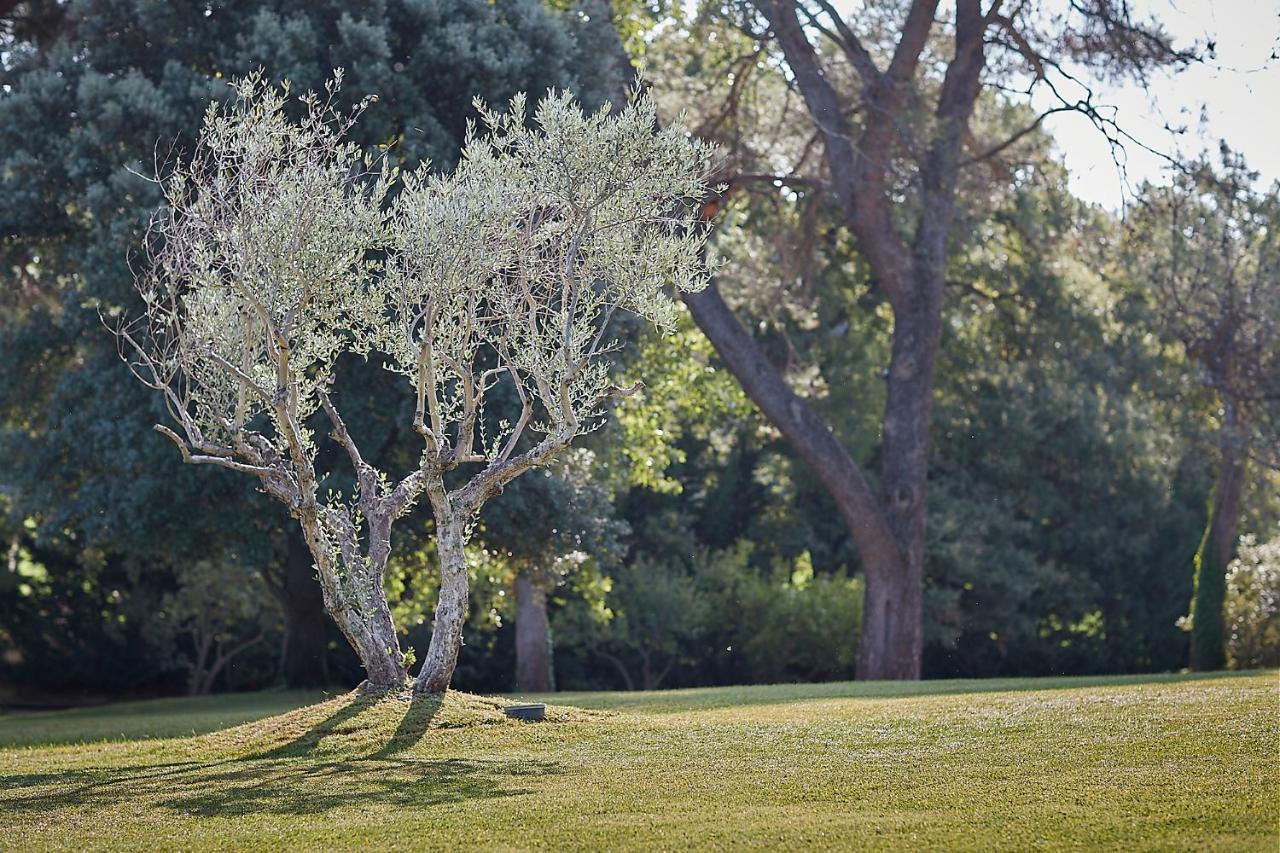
156, 718
1171, 762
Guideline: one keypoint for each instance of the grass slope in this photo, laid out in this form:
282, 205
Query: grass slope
1134, 763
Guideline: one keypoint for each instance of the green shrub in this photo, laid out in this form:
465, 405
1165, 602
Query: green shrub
1251, 611
720, 619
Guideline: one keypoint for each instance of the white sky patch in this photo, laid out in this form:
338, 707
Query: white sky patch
1233, 96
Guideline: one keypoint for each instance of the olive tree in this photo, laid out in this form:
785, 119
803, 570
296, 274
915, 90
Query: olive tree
284, 247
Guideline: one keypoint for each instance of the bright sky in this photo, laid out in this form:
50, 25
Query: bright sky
1234, 96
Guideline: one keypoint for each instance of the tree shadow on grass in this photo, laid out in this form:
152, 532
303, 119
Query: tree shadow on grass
341, 721
311, 788
240, 787
413, 725
421, 711
288, 779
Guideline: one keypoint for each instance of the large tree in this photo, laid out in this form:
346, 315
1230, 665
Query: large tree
277, 253
1207, 250
890, 93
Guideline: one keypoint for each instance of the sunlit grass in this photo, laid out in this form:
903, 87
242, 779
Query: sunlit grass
1162, 762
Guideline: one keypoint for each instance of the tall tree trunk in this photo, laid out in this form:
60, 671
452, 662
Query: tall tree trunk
892, 639
534, 672
451, 609
1217, 549
304, 657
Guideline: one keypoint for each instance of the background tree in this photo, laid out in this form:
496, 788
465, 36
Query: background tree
896, 142
214, 620
1037, 563
548, 530
1207, 250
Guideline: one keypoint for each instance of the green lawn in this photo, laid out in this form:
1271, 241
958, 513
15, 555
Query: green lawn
1134, 763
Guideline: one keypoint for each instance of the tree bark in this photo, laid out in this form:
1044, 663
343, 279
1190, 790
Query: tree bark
1217, 549
451, 609
354, 598
304, 656
380, 647
892, 628
534, 672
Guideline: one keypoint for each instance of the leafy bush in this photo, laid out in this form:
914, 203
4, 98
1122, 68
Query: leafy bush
783, 624
720, 619
1251, 611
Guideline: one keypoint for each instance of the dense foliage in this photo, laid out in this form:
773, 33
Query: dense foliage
1074, 441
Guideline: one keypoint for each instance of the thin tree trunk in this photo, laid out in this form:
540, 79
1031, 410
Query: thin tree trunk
627, 682
203, 639
1216, 551
224, 658
534, 673
451, 609
304, 653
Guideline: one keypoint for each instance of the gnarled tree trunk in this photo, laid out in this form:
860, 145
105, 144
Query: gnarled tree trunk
534, 672
354, 598
451, 609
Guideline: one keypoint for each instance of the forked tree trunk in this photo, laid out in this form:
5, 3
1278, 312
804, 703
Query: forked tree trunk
355, 600
534, 672
367, 625
1216, 551
380, 647
451, 609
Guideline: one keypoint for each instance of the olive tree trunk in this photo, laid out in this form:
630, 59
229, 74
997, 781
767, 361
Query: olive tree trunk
354, 598
451, 608
534, 672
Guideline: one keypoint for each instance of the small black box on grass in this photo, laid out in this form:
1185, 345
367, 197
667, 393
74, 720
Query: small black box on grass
535, 711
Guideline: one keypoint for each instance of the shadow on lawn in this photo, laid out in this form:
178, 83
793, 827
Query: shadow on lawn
286, 779
413, 725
